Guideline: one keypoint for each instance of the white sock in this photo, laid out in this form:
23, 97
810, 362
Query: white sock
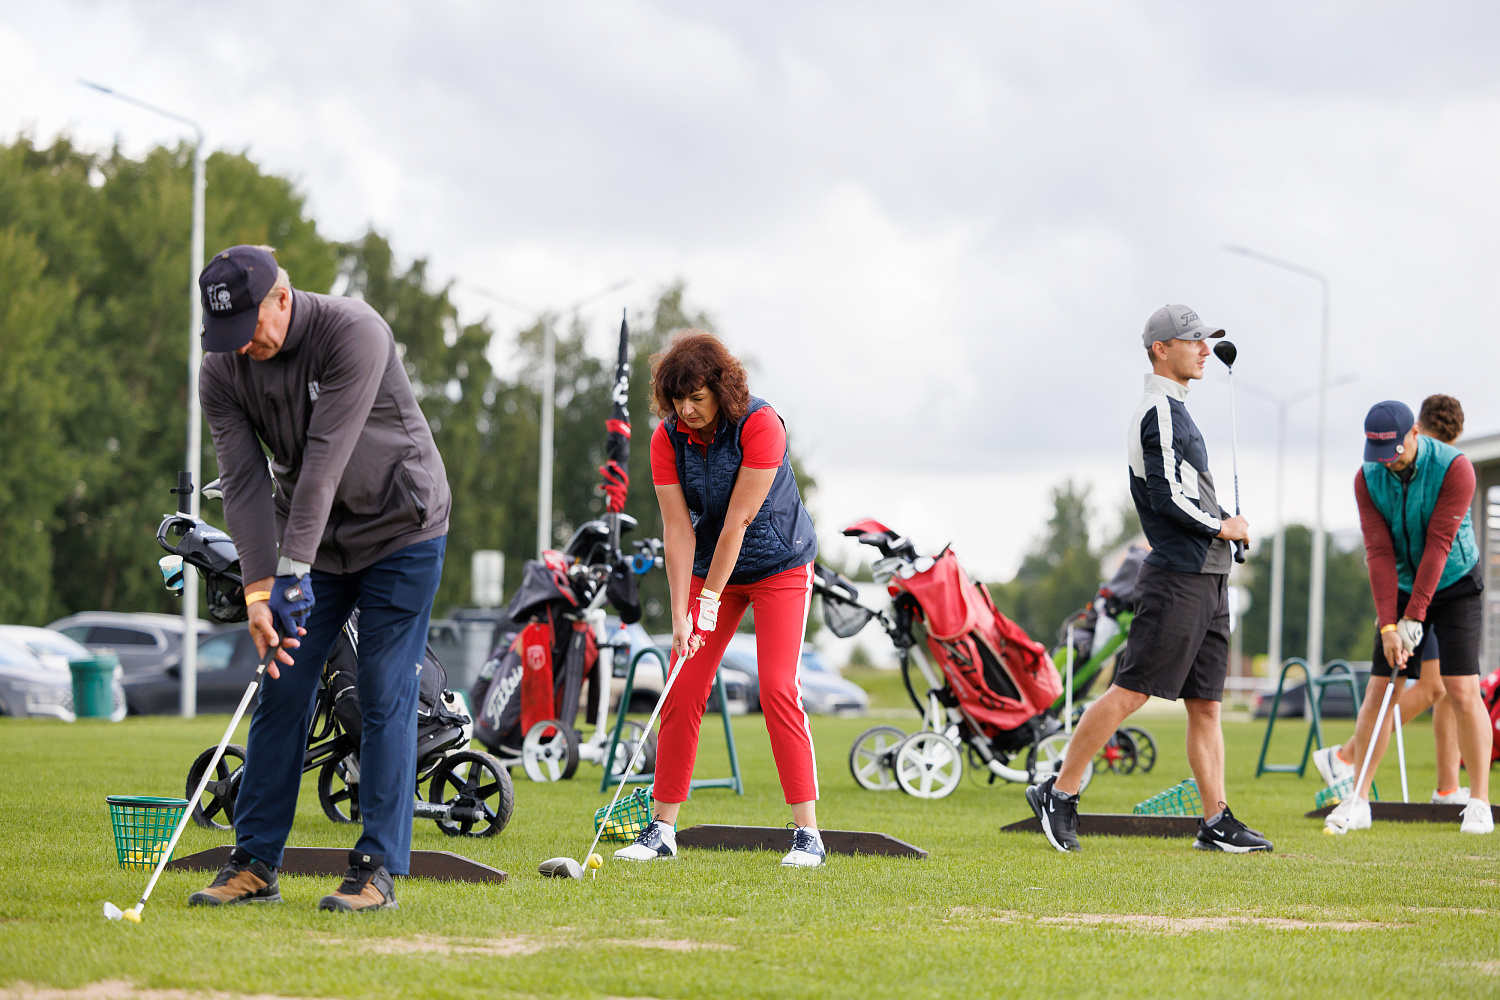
668, 832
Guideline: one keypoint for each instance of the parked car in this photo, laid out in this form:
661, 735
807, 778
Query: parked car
824, 692
141, 641
649, 676
56, 650
1336, 702
30, 687
227, 661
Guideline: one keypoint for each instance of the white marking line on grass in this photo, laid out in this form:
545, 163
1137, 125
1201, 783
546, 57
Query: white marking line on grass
520, 944
1156, 923
121, 989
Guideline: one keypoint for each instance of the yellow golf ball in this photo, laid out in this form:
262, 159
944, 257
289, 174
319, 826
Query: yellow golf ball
133, 915
595, 861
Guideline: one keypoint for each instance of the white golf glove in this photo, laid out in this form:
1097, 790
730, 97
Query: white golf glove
1410, 634
708, 611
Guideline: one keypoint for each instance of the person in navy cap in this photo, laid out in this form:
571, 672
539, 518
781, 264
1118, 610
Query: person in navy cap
1414, 494
356, 516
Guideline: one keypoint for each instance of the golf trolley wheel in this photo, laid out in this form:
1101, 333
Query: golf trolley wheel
1045, 759
550, 751
928, 765
872, 758
1145, 748
338, 795
630, 738
222, 789
468, 779
1118, 755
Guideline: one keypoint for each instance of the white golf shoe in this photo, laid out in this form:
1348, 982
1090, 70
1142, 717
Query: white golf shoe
807, 849
1477, 818
1351, 814
1330, 766
657, 841
1457, 797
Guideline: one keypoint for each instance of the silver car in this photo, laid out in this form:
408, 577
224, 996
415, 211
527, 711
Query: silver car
30, 687
143, 642
56, 651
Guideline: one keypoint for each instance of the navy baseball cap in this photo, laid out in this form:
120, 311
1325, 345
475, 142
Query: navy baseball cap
1177, 323
1386, 426
233, 285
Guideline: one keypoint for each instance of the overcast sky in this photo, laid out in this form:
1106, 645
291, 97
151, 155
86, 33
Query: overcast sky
938, 229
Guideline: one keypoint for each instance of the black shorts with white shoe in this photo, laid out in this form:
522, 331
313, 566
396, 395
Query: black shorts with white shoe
1455, 617
1179, 639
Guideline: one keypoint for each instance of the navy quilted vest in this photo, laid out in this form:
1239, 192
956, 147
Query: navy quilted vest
781, 536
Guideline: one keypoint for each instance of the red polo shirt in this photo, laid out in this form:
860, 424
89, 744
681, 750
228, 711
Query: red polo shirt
763, 440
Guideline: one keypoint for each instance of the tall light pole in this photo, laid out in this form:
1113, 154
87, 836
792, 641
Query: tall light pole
1278, 548
1319, 556
549, 386
189, 666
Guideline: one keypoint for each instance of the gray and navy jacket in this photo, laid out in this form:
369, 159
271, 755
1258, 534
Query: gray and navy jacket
780, 538
1171, 485
359, 473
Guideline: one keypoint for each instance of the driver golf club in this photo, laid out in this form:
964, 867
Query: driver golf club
133, 915
1225, 352
567, 867
1385, 704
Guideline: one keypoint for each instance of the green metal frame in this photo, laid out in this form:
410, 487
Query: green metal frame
1335, 672
609, 779
1085, 672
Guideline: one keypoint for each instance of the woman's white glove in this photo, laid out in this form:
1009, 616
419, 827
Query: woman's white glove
1410, 633
708, 613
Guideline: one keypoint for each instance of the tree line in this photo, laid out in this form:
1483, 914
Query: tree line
93, 361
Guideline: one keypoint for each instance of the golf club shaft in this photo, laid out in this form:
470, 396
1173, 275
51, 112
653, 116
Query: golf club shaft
1234, 464
1385, 703
640, 749
187, 814
1401, 752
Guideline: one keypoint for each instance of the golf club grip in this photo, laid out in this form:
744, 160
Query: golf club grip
1239, 551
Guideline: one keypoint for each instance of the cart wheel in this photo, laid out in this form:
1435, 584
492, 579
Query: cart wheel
630, 739
979, 772
338, 789
475, 781
1145, 748
872, 758
928, 765
550, 751
222, 789
1118, 755
1045, 759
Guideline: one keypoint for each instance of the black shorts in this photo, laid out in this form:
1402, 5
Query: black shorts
1179, 639
1455, 620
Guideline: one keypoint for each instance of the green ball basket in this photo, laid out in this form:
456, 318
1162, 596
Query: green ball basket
143, 827
1336, 794
630, 817
1179, 800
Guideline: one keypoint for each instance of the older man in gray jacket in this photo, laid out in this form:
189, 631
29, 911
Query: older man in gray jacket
360, 519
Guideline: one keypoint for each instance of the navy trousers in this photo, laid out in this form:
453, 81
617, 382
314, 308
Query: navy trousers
394, 597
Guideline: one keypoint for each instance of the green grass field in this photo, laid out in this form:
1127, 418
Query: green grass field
1397, 911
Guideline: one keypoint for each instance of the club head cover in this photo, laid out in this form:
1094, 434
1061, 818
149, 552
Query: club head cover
560, 868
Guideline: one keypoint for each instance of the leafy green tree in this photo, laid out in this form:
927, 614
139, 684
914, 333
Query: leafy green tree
1061, 572
1348, 613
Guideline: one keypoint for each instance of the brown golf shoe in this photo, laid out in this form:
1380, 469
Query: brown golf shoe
243, 879
366, 886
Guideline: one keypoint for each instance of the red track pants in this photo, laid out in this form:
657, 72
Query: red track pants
780, 604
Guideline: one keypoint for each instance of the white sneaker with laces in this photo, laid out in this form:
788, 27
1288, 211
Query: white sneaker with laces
657, 841
1331, 766
807, 849
1477, 818
1351, 814
1457, 797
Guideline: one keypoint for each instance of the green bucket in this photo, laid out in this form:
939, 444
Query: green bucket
143, 828
629, 818
92, 680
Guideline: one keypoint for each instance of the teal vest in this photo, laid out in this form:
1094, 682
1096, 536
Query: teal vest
1407, 507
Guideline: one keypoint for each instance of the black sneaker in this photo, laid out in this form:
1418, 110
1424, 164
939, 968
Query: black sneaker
242, 880
1058, 813
1230, 835
366, 886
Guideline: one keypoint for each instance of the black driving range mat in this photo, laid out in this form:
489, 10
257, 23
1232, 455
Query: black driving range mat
445, 866
1118, 825
1407, 812
779, 838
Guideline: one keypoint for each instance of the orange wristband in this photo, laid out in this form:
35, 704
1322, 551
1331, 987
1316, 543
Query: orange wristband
1387, 628
265, 595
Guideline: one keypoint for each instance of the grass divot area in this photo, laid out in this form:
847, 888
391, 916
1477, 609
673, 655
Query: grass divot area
987, 914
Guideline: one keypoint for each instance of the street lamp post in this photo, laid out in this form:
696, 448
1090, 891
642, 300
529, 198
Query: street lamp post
189, 666
1319, 556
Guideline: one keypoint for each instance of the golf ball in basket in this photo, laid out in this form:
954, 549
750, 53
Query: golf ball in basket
595, 861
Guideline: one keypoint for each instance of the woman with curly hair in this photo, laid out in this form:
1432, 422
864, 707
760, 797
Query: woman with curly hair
737, 537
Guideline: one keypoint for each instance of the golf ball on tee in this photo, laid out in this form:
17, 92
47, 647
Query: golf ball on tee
133, 915
595, 861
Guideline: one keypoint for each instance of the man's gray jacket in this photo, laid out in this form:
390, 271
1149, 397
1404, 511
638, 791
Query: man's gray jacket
358, 473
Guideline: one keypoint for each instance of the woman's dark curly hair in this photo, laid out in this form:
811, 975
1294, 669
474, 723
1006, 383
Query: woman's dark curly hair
696, 359
1442, 417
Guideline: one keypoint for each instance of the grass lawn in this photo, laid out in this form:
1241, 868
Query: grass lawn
1398, 911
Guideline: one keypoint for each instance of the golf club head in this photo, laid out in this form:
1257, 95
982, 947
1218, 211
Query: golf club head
112, 912
1225, 352
560, 868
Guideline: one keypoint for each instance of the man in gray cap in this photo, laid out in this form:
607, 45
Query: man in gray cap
1179, 638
